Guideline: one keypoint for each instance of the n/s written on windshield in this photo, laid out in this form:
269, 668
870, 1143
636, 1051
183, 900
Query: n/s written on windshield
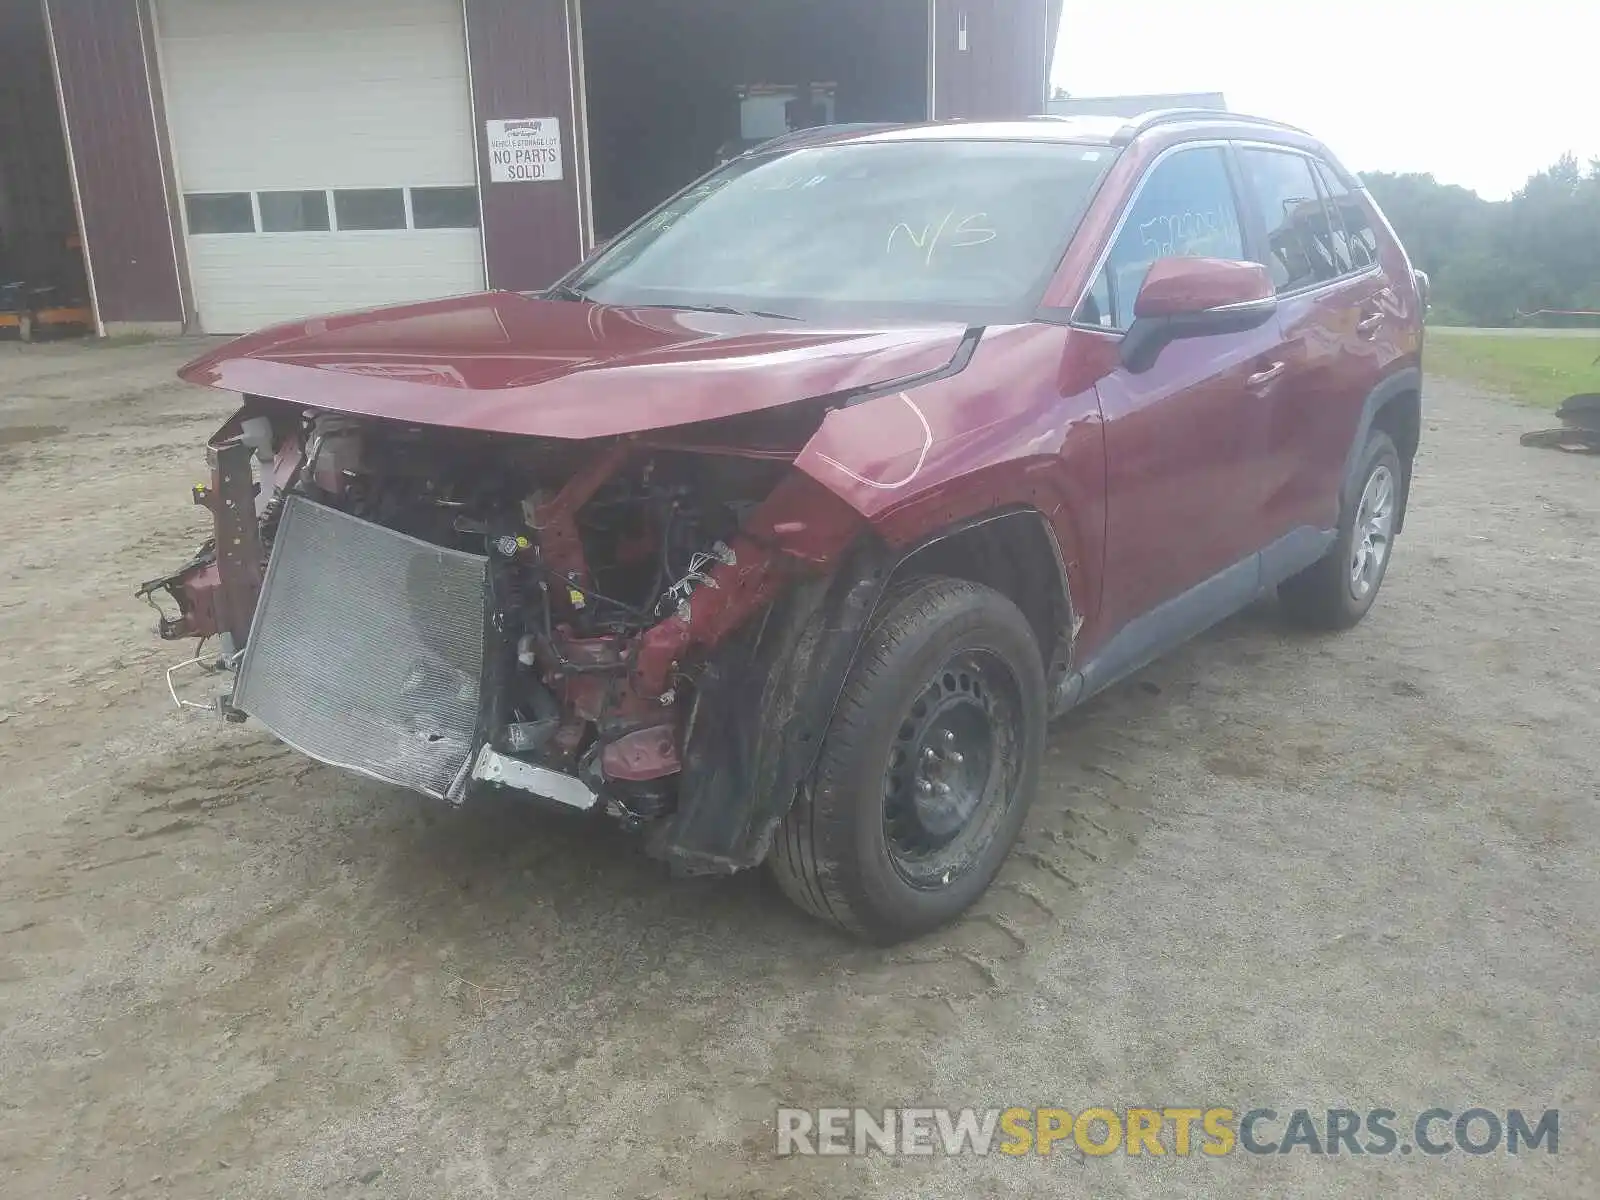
952, 232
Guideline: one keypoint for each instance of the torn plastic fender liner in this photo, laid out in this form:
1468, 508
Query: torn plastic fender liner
761, 710
767, 697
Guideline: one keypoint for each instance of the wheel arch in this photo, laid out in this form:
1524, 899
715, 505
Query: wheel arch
1393, 407
764, 703
1014, 551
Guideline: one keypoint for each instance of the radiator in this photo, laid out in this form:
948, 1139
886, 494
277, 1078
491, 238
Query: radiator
367, 649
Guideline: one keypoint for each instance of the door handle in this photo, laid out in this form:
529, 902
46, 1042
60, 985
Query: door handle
1262, 378
1370, 326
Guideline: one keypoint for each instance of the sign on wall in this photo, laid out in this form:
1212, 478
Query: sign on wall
525, 150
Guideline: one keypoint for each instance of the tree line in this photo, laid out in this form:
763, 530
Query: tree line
1495, 262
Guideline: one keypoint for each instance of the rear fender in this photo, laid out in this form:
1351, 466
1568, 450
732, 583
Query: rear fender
1395, 406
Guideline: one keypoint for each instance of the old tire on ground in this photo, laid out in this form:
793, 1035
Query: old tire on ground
1338, 590
928, 767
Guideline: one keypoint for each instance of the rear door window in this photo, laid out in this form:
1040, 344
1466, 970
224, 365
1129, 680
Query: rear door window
1185, 208
1300, 250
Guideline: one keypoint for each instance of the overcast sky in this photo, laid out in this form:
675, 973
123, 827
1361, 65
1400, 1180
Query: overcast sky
1479, 92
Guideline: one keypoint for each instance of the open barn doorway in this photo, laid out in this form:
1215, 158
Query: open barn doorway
673, 86
44, 288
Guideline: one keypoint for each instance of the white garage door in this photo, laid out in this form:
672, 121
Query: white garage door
325, 153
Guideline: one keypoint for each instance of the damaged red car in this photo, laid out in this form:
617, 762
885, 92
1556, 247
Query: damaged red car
778, 529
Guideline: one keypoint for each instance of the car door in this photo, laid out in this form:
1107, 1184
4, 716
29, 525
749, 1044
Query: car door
1334, 302
1183, 439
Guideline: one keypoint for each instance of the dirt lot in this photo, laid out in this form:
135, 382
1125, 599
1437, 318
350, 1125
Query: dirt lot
1272, 871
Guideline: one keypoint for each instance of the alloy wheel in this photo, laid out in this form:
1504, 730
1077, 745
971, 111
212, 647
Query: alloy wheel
1374, 533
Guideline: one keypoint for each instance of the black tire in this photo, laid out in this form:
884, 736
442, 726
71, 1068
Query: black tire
1326, 595
946, 664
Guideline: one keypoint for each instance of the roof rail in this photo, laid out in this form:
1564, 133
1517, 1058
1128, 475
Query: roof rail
1147, 121
802, 136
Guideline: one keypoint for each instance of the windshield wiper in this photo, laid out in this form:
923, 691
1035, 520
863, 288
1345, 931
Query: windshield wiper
564, 291
723, 309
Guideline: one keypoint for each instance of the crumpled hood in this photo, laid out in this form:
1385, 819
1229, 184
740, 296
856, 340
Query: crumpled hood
505, 362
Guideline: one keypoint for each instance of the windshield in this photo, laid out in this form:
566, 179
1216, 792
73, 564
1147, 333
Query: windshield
945, 230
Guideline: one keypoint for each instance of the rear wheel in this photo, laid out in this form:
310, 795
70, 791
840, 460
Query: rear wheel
928, 767
1339, 589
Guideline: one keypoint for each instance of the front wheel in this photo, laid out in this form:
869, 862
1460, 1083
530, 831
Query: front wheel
1339, 589
928, 767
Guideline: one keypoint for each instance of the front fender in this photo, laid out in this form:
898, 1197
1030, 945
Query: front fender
1016, 430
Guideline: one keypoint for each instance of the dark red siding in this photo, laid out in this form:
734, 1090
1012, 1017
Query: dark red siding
1001, 73
37, 218
118, 152
521, 67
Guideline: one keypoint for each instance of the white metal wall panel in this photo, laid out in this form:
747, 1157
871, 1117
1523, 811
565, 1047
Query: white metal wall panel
319, 94
244, 283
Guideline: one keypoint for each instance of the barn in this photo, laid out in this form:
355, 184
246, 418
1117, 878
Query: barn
232, 163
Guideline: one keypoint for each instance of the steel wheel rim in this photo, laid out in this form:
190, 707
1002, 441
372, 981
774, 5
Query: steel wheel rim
1374, 533
953, 770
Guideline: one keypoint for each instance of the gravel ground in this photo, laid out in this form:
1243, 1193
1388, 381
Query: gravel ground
1272, 871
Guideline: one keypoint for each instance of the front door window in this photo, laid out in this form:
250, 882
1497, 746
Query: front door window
1184, 208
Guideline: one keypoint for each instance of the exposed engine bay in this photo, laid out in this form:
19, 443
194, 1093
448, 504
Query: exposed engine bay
440, 608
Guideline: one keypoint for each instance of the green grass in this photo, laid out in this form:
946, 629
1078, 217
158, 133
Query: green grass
1534, 370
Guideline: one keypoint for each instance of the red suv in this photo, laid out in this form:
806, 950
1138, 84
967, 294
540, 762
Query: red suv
776, 531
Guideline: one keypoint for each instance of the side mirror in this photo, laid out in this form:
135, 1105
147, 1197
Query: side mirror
1195, 297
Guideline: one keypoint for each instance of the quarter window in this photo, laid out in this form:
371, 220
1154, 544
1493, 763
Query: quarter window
1301, 247
1097, 308
1360, 237
1338, 243
1184, 209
